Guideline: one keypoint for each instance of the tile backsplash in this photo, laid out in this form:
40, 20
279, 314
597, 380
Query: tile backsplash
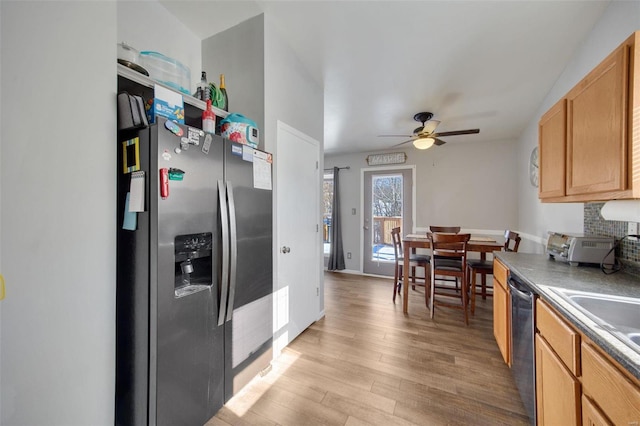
628, 252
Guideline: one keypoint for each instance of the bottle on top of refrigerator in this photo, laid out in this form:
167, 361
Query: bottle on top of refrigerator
203, 87
223, 91
208, 119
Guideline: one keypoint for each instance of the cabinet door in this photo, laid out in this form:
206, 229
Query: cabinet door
617, 396
552, 143
557, 391
591, 415
501, 320
560, 336
597, 128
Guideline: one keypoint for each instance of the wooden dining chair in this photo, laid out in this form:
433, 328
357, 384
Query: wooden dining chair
415, 261
449, 230
449, 259
446, 229
485, 267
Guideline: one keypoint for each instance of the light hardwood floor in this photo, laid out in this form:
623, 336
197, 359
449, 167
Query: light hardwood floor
367, 363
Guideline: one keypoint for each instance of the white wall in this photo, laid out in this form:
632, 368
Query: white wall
57, 192
266, 82
466, 184
58, 212
291, 94
620, 19
147, 25
238, 53
295, 98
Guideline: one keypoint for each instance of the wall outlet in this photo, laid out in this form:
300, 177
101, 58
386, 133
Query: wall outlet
353, 211
632, 229
348, 255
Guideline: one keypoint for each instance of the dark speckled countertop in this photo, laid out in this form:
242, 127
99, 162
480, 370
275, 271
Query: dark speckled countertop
543, 275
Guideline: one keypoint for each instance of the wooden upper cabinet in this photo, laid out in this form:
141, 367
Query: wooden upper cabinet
601, 157
552, 142
596, 128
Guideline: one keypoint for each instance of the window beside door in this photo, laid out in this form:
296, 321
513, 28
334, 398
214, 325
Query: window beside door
327, 198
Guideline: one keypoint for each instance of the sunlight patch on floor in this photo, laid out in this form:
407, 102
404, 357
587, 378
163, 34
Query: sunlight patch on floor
242, 402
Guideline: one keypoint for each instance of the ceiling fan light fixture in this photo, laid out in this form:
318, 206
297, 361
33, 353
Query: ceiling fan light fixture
423, 143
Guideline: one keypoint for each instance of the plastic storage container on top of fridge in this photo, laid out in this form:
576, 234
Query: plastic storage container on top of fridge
167, 71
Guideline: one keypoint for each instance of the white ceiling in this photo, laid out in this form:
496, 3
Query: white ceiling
474, 64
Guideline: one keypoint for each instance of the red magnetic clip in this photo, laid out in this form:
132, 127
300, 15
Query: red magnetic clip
164, 183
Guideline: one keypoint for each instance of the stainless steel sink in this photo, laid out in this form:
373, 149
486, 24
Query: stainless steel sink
618, 315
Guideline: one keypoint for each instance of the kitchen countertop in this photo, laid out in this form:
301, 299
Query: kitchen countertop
543, 274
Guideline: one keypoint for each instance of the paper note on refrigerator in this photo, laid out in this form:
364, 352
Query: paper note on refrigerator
261, 170
136, 189
130, 221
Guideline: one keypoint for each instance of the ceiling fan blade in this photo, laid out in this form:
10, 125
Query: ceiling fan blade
439, 142
457, 132
430, 126
394, 136
402, 143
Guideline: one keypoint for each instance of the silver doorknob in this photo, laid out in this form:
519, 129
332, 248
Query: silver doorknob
366, 228
285, 249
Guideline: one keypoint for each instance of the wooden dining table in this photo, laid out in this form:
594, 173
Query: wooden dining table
410, 242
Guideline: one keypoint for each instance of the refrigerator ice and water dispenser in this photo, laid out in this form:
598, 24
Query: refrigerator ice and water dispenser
193, 257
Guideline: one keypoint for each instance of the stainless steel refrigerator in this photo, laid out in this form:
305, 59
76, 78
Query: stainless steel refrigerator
194, 273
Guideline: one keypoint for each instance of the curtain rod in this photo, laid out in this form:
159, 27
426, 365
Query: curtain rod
339, 168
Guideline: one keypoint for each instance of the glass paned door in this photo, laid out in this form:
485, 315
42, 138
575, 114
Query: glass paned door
327, 198
387, 204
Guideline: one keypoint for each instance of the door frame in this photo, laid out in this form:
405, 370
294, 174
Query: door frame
413, 203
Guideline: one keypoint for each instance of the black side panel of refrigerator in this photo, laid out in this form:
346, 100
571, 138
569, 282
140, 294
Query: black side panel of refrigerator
132, 297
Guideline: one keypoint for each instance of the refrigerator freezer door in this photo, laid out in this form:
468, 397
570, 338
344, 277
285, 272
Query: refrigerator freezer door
186, 343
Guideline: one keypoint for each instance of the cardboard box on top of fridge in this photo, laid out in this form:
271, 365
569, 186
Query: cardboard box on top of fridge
166, 103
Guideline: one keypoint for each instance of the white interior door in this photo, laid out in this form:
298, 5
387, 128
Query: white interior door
297, 301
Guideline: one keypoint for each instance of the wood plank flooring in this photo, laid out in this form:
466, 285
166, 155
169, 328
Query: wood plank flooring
366, 362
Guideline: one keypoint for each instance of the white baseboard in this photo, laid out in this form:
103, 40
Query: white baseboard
345, 271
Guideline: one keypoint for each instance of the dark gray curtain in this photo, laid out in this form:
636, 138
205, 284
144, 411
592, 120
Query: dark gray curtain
336, 255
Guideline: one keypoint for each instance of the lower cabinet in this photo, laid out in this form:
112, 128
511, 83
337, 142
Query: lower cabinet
557, 390
577, 384
591, 415
616, 395
501, 311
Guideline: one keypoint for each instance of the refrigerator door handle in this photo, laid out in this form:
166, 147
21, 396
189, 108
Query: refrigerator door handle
234, 250
224, 282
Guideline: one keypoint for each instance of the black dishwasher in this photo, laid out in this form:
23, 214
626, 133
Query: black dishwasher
522, 343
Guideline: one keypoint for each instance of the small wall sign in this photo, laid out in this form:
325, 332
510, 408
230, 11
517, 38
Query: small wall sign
387, 158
